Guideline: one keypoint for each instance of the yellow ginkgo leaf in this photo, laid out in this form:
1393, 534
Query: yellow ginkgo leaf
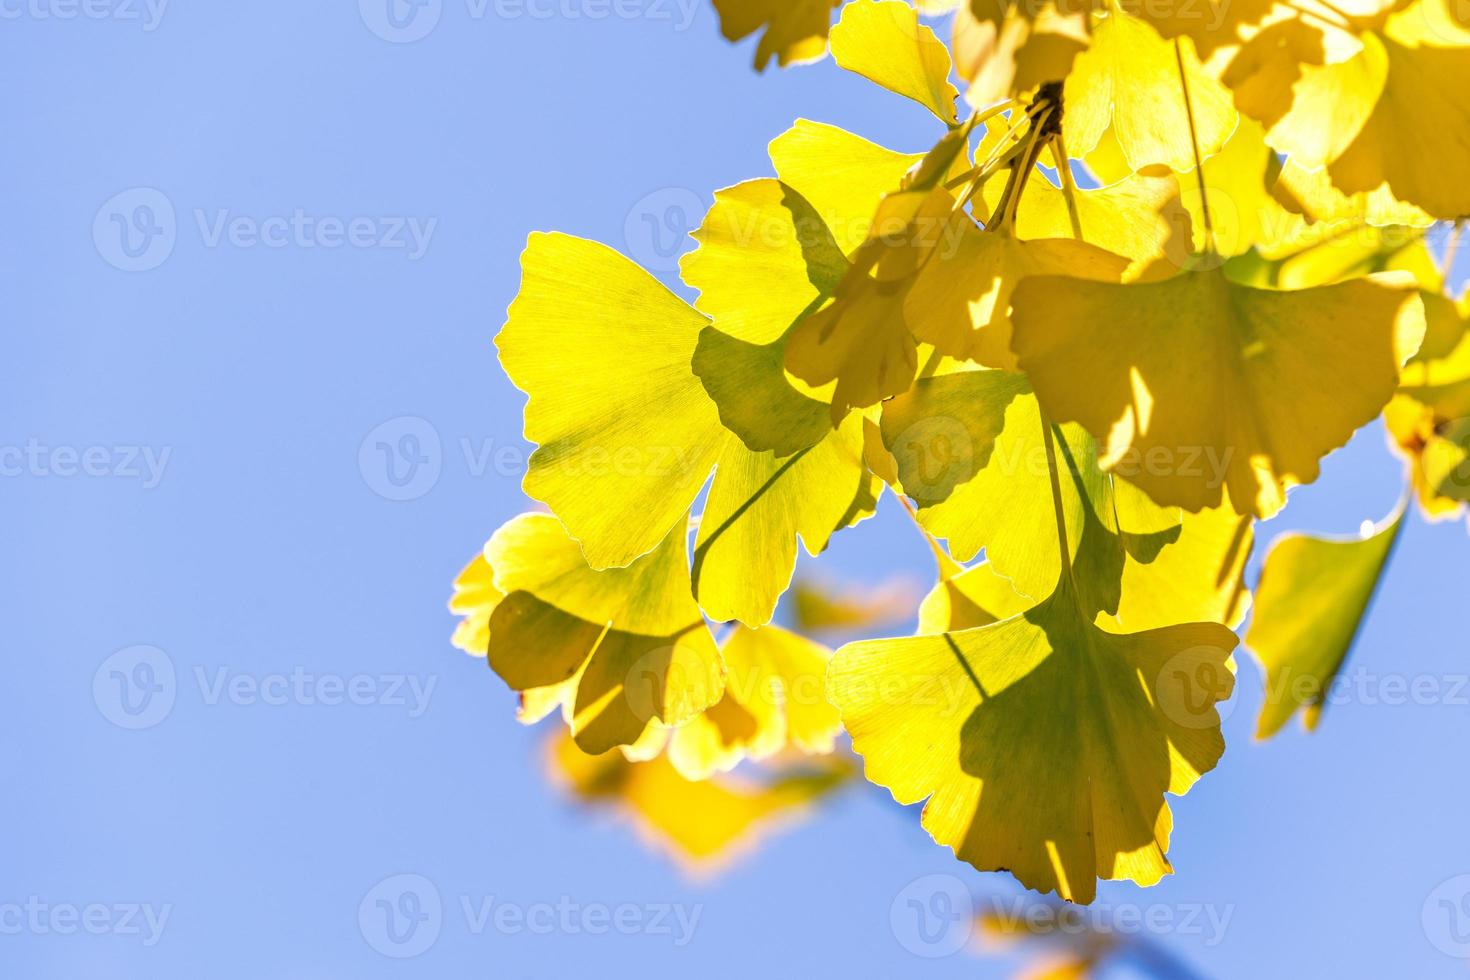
786, 674
701, 822
1197, 577
942, 433
1139, 217
768, 254
741, 567
1043, 744
765, 257
1106, 162
883, 41
1313, 595
971, 453
1238, 182
627, 435
1321, 253
627, 429
1129, 79
1396, 115
961, 300
764, 254
860, 341
633, 636
1173, 375
1262, 72
843, 176
795, 30
965, 598
475, 598
775, 700
1311, 193
1004, 50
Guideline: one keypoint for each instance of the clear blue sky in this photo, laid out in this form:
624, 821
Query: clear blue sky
227, 506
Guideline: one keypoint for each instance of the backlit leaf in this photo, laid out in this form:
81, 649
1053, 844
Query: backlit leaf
1313, 595
883, 41
1042, 744
633, 636
1172, 375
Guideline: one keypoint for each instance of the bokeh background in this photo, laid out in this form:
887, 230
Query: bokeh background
261, 449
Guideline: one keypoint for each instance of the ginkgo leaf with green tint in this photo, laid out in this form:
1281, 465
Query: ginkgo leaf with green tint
1197, 576
632, 636
626, 435
859, 341
1043, 745
764, 254
820, 606
768, 255
740, 566
1195, 386
964, 598
1310, 604
971, 453
627, 430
